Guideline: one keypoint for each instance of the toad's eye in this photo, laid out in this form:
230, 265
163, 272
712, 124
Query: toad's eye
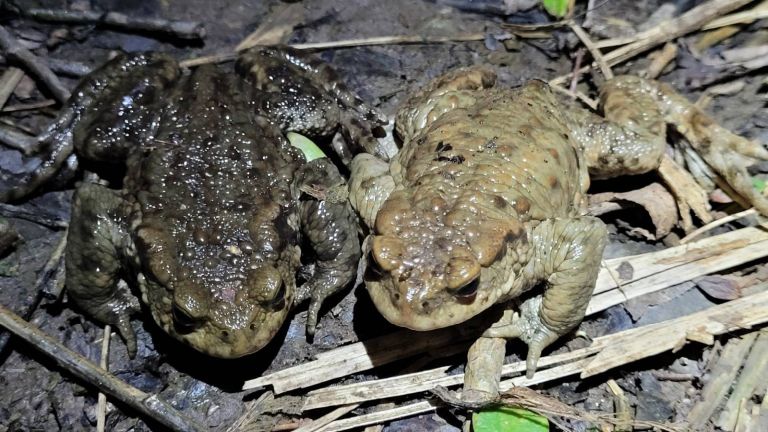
373, 271
278, 301
469, 289
182, 320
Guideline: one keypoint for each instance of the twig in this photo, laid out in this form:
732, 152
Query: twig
596, 54
64, 67
275, 27
38, 67
357, 357
49, 271
348, 43
553, 408
722, 375
747, 17
101, 406
664, 32
17, 140
661, 60
318, 424
8, 82
382, 416
620, 407
177, 29
752, 375
28, 107
150, 405
716, 223
12, 211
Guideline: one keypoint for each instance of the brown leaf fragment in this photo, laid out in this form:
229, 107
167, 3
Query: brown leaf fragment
719, 287
654, 198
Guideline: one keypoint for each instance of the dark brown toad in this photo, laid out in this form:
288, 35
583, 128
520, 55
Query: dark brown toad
213, 210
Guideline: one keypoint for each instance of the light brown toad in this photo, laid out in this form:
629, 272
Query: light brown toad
486, 199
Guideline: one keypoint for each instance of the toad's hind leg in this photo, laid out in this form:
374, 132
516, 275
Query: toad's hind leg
631, 139
94, 259
452, 90
306, 95
329, 225
102, 117
567, 259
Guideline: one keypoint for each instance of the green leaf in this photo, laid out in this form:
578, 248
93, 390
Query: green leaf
558, 8
310, 149
509, 419
758, 184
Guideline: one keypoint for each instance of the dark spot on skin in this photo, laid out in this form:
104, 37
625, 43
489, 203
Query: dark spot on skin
522, 205
225, 333
553, 182
458, 159
252, 326
425, 305
603, 160
554, 154
404, 275
499, 202
396, 297
441, 159
439, 147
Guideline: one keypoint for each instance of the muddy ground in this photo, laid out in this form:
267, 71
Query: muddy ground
35, 396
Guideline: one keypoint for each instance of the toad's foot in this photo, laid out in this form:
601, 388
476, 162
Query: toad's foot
330, 227
529, 328
95, 243
728, 154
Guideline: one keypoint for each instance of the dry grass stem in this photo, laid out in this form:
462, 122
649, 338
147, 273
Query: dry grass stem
318, 424
596, 54
29, 106
177, 29
15, 51
8, 82
716, 223
101, 406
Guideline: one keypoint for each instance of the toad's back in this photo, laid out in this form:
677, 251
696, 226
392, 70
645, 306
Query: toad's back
213, 189
504, 149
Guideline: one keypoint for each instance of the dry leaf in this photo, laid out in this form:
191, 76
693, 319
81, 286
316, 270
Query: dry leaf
719, 287
654, 198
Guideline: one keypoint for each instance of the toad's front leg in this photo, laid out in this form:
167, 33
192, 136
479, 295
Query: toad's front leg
567, 254
104, 118
97, 243
330, 227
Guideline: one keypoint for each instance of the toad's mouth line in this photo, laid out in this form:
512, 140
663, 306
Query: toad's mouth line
446, 314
